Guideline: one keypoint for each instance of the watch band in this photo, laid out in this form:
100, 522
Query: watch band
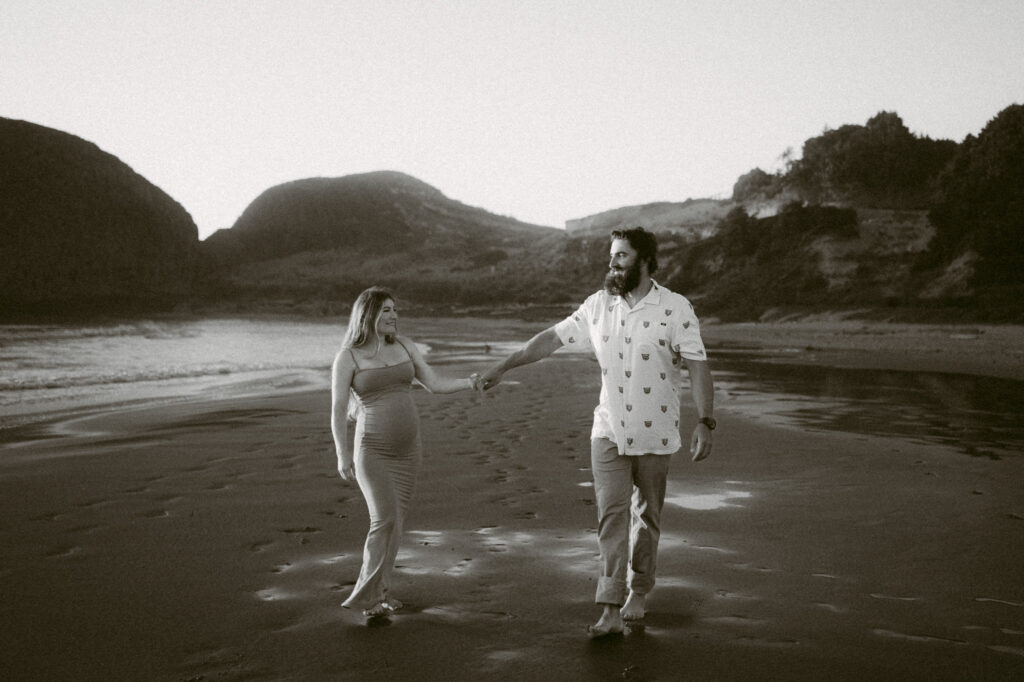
708, 422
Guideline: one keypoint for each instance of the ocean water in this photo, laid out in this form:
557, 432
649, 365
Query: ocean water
54, 369
46, 369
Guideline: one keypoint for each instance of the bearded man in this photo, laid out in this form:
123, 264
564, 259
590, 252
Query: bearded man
642, 334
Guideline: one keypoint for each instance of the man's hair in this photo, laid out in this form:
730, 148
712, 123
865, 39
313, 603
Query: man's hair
363, 319
643, 242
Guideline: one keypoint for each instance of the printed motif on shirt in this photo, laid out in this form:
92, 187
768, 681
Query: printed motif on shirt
641, 353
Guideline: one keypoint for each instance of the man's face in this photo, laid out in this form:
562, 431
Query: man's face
624, 268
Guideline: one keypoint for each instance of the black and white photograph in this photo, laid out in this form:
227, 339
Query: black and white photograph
511, 340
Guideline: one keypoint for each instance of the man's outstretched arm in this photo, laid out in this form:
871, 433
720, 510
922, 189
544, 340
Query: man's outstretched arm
539, 347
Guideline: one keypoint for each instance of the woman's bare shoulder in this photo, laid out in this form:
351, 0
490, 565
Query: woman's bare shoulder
344, 358
407, 343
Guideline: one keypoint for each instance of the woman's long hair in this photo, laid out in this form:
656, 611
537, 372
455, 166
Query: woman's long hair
362, 322
362, 326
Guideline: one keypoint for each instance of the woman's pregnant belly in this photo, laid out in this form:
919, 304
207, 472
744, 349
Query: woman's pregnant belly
390, 425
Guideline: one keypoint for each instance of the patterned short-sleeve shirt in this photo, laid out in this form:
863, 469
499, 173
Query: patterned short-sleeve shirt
640, 351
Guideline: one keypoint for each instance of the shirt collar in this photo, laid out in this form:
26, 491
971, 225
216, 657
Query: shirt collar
652, 297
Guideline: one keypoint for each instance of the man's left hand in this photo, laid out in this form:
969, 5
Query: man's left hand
700, 443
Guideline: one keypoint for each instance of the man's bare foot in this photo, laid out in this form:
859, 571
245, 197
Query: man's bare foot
635, 607
392, 604
610, 623
376, 610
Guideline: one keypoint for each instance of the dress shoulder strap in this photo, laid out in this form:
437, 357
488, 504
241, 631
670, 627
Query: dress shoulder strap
399, 341
354, 361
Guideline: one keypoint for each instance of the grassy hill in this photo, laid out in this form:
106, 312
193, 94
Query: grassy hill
314, 244
694, 218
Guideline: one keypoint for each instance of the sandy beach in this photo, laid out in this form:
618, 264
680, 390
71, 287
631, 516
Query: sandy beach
214, 541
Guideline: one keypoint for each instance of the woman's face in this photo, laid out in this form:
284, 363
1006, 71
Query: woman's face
387, 320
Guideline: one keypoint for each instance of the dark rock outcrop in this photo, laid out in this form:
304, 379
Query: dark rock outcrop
80, 230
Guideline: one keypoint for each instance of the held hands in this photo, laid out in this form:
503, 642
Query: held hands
487, 380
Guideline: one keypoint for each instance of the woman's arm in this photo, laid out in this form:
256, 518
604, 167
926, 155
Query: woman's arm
341, 381
431, 380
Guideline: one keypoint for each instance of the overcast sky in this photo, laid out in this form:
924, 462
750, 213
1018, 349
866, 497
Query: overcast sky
541, 110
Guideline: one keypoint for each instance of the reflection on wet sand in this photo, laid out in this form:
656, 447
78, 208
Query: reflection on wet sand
705, 501
979, 415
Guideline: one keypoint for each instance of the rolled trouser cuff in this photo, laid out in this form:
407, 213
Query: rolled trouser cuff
611, 591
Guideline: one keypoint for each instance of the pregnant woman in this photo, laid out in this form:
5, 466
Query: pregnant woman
371, 382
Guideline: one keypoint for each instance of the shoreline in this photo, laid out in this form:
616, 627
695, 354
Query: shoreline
983, 350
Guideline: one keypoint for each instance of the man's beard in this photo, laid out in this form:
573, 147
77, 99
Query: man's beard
619, 282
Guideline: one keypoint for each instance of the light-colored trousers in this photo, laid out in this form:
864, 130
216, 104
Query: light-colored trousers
630, 493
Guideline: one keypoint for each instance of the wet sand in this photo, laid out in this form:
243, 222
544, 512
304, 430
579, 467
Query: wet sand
214, 541
987, 350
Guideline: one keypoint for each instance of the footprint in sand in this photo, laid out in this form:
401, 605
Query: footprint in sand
459, 568
155, 514
752, 567
274, 594
63, 552
890, 597
726, 594
49, 516
914, 638
1004, 602
94, 503
769, 642
303, 532
259, 545
735, 619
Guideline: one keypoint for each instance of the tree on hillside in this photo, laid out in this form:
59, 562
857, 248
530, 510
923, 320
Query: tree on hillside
880, 164
982, 200
756, 184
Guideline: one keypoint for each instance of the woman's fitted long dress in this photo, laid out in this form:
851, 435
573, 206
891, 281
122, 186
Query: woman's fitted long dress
387, 459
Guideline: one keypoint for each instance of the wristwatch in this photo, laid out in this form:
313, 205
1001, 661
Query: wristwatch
708, 422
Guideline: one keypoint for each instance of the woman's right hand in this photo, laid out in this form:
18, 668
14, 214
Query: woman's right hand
346, 468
